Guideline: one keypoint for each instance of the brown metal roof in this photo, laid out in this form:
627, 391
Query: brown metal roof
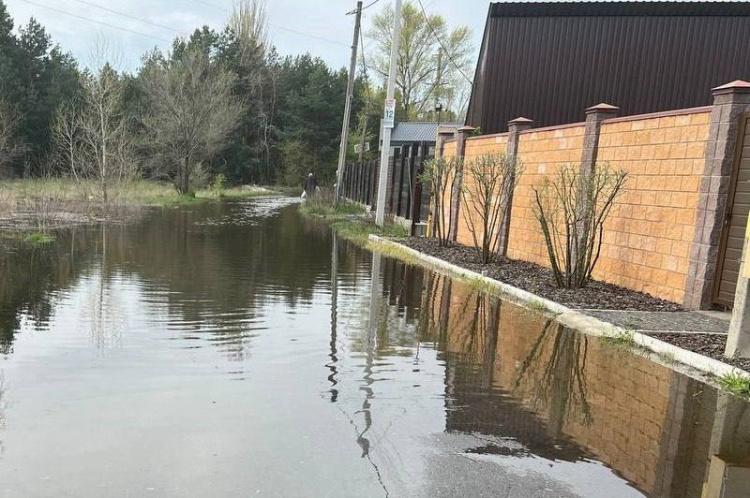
551, 61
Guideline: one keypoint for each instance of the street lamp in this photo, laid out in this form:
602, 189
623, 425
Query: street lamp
438, 110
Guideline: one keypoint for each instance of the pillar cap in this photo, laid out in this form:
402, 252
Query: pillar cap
466, 129
446, 131
602, 108
736, 86
520, 120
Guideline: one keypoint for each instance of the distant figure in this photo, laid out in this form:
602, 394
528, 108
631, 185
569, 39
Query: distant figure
310, 187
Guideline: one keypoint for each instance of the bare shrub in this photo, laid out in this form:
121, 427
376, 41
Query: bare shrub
571, 210
487, 188
440, 174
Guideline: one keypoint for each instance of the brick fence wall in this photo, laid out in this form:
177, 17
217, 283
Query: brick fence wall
663, 234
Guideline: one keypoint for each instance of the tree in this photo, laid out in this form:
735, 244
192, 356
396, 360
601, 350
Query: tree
488, 184
10, 149
66, 136
192, 112
105, 136
426, 72
571, 210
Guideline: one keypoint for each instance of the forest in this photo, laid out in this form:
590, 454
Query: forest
218, 106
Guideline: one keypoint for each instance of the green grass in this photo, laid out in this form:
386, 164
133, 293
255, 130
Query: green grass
737, 384
359, 230
38, 239
625, 340
324, 208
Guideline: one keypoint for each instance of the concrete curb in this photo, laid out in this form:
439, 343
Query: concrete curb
572, 318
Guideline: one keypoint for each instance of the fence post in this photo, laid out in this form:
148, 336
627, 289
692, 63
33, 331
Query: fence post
731, 102
594, 117
463, 134
515, 127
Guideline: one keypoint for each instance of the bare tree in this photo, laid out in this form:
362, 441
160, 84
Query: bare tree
66, 136
487, 188
249, 23
571, 211
10, 149
440, 174
104, 133
191, 113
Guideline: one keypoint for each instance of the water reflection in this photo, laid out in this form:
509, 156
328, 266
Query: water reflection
238, 349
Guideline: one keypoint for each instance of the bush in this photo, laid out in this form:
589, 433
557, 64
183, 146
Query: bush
487, 189
571, 211
440, 174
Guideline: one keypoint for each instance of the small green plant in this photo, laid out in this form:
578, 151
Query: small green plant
38, 239
737, 384
218, 186
538, 305
625, 340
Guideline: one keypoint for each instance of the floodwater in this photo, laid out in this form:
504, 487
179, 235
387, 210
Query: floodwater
235, 349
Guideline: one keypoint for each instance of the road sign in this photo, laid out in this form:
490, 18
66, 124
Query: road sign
389, 115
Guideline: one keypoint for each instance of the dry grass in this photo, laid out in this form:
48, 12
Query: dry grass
42, 204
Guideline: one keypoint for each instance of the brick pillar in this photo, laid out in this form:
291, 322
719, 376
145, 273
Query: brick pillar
463, 134
515, 127
731, 102
594, 117
442, 137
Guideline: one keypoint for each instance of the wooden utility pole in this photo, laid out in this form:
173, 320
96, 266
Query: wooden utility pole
348, 106
388, 127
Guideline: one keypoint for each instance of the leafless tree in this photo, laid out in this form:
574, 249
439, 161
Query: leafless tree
67, 136
104, 133
571, 210
440, 174
10, 148
488, 184
191, 113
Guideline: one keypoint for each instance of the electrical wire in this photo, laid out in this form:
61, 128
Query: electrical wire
363, 8
88, 19
282, 28
440, 42
123, 14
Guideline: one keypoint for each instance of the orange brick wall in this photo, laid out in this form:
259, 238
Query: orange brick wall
648, 237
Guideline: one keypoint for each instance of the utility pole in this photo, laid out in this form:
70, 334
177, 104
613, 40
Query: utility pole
348, 106
386, 151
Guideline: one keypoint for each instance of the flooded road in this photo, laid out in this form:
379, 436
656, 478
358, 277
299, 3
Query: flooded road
236, 349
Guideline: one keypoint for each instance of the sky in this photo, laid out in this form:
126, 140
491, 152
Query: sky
326, 27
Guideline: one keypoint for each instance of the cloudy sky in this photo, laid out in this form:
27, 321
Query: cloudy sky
320, 27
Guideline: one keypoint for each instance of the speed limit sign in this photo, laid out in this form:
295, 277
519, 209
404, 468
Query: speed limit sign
389, 115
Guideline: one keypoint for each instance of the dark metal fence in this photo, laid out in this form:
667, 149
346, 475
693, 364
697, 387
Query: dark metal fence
406, 197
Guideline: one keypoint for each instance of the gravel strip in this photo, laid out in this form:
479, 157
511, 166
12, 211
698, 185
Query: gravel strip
709, 345
540, 281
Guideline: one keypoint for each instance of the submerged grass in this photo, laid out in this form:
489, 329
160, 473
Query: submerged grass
37, 239
737, 384
359, 230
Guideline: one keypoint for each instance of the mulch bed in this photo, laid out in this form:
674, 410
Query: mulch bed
540, 281
710, 345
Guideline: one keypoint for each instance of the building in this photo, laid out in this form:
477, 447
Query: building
548, 61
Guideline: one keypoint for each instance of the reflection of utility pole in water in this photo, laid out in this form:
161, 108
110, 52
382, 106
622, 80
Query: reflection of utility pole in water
334, 317
729, 452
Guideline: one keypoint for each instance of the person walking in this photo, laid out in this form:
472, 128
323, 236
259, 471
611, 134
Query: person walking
310, 186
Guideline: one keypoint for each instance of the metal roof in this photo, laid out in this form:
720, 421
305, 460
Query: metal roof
585, 9
408, 131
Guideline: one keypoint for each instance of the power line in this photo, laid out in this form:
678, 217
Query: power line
351, 12
440, 42
84, 18
282, 28
124, 14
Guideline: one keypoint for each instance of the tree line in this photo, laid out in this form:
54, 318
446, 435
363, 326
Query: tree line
219, 104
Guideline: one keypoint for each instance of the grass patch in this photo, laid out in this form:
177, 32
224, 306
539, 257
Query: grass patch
737, 384
625, 340
324, 208
538, 305
38, 239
